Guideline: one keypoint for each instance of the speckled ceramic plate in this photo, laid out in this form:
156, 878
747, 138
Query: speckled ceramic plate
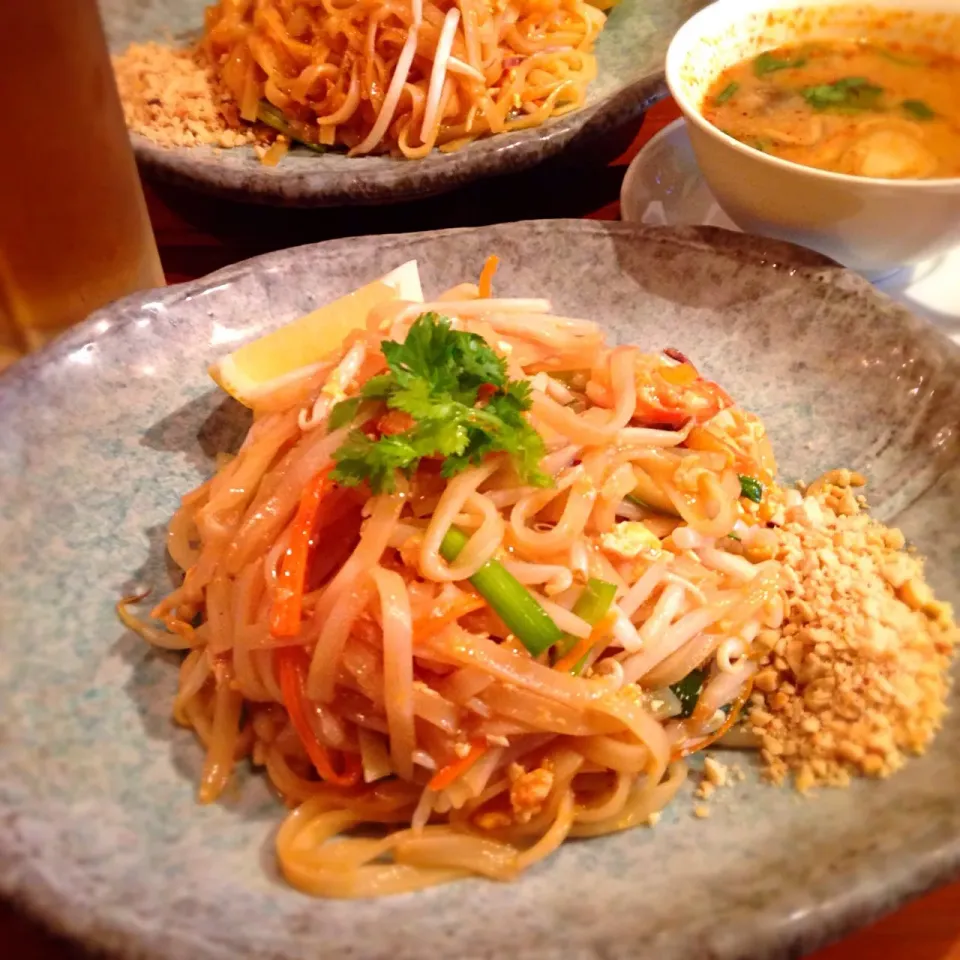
100, 834
630, 55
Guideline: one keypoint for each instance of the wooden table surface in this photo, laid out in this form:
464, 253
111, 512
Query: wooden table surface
197, 235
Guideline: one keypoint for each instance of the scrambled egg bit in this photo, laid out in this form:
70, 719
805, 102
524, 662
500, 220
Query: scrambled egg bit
629, 539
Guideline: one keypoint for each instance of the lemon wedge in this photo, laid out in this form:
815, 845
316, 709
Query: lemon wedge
292, 353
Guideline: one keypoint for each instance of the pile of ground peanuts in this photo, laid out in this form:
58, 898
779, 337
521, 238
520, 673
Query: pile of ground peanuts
172, 97
857, 677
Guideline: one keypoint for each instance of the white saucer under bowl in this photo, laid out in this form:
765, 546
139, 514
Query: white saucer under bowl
664, 187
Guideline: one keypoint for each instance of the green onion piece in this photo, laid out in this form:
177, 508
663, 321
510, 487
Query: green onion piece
751, 488
688, 690
727, 92
267, 113
592, 605
594, 602
510, 600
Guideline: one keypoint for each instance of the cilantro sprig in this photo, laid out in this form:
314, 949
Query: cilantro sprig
463, 405
846, 95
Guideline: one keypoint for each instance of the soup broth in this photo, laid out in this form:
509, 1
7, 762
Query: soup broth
853, 107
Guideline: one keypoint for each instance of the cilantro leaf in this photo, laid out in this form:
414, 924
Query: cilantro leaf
359, 458
522, 441
847, 95
421, 402
918, 109
751, 488
424, 354
378, 388
343, 413
448, 360
456, 390
769, 62
478, 364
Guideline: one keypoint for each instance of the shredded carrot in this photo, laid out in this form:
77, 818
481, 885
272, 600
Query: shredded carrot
582, 647
486, 276
288, 601
705, 742
292, 664
427, 627
446, 775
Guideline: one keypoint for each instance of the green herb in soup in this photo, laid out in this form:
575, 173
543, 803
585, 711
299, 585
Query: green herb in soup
846, 94
868, 109
918, 109
770, 63
727, 92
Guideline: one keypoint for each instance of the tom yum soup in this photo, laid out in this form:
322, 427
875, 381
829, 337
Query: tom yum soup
851, 107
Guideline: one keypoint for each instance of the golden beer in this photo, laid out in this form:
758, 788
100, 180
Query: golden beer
74, 230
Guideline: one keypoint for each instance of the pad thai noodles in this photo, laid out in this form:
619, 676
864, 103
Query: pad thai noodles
402, 77
481, 578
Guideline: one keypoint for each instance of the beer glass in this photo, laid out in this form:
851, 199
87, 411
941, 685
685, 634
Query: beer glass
74, 230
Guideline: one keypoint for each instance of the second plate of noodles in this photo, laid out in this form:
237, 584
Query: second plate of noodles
402, 78
465, 89
482, 578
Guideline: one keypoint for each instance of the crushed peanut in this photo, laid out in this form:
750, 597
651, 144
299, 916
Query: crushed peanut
715, 776
715, 772
702, 811
859, 675
705, 790
172, 97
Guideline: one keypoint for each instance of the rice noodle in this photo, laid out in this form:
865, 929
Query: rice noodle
412, 707
440, 62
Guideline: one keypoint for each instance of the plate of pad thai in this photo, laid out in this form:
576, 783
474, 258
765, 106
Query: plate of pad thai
300, 103
475, 591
